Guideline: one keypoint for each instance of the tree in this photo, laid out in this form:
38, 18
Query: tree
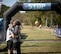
4, 8
30, 16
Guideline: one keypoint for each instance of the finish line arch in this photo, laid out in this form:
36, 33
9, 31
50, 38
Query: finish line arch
56, 6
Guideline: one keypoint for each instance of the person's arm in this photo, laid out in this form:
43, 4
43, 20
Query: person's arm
10, 26
12, 35
16, 30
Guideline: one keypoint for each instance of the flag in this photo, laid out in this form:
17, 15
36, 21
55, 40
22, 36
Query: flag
1, 4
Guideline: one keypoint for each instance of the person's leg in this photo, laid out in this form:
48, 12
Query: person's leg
9, 51
18, 47
15, 48
9, 45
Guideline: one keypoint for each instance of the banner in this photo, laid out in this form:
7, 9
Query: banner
1, 4
37, 6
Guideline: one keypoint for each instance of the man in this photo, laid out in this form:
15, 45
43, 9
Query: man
15, 29
9, 37
15, 33
16, 41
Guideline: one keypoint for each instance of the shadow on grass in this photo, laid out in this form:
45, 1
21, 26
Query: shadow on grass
42, 53
23, 36
3, 50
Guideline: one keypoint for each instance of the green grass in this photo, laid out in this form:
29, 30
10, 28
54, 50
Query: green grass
41, 47
37, 34
2, 48
36, 46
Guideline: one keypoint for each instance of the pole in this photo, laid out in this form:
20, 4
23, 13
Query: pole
51, 19
46, 21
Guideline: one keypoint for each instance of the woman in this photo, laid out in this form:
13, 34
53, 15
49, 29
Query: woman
16, 35
9, 37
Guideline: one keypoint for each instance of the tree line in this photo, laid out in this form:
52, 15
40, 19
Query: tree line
29, 17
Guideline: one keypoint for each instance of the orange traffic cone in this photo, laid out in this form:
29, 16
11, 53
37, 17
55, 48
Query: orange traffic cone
55, 38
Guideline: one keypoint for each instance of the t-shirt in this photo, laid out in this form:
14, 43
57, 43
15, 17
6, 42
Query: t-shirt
8, 36
16, 32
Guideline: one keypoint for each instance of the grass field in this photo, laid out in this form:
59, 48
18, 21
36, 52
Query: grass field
38, 46
37, 34
37, 43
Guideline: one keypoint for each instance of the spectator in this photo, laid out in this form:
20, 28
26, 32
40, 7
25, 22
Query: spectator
9, 37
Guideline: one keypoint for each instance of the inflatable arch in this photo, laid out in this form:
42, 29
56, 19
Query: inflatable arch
56, 6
